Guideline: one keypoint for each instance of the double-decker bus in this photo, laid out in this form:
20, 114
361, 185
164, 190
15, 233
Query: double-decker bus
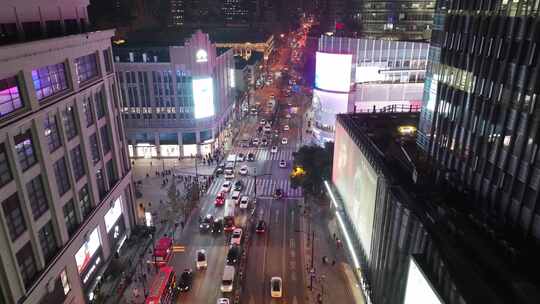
229, 214
163, 288
163, 251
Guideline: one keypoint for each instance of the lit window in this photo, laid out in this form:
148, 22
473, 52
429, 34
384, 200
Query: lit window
49, 80
86, 67
10, 99
65, 282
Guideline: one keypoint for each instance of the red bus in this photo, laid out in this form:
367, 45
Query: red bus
229, 215
163, 288
163, 251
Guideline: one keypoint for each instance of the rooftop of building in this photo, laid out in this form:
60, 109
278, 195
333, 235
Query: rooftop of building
487, 264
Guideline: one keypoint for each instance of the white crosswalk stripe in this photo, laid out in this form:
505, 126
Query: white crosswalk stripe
265, 154
265, 187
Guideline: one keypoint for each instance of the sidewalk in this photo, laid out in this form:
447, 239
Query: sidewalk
330, 281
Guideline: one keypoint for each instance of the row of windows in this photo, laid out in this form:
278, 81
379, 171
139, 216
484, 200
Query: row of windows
49, 81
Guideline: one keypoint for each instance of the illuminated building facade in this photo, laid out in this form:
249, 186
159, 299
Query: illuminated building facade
177, 11
66, 197
484, 134
177, 99
396, 20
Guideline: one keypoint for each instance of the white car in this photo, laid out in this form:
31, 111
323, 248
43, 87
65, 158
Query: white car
263, 122
235, 195
286, 128
255, 141
236, 237
284, 141
274, 149
282, 164
223, 301
243, 170
276, 287
226, 187
244, 202
288, 115
229, 175
240, 157
267, 128
202, 262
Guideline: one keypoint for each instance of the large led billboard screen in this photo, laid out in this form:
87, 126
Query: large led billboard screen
327, 104
203, 97
419, 290
87, 250
333, 72
356, 182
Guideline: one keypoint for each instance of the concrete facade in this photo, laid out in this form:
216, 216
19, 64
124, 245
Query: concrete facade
160, 109
66, 177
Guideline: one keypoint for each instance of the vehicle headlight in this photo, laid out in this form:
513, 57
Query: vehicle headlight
200, 226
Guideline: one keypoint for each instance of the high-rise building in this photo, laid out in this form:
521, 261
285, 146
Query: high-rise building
399, 20
238, 11
65, 178
177, 12
484, 120
178, 99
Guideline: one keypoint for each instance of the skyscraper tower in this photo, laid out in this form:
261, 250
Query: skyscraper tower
481, 125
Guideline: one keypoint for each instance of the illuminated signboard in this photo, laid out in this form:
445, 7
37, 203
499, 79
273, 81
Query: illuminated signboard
201, 56
419, 289
333, 72
87, 251
231, 78
203, 97
113, 214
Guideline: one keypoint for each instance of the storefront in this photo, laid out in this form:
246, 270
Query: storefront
89, 260
130, 150
206, 147
169, 150
189, 150
146, 150
168, 145
115, 225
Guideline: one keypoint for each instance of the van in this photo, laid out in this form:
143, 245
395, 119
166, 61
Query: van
228, 279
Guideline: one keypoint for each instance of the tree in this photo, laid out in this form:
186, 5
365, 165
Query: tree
311, 167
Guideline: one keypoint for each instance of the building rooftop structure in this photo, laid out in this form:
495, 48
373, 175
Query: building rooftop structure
485, 265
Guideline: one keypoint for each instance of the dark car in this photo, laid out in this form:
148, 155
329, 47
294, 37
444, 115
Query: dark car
217, 226
206, 223
238, 185
251, 157
278, 193
261, 227
233, 256
185, 281
220, 168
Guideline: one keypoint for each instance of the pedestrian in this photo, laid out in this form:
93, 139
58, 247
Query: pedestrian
333, 262
334, 236
324, 259
338, 243
135, 292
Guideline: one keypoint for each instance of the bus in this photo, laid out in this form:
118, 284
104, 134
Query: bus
163, 287
163, 251
228, 215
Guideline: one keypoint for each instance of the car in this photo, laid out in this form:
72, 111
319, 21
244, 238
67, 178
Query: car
229, 175
223, 301
244, 202
276, 287
261, 227
236, 237
259, 129
264, 142
255, 143
233, 255
238, 185
206, 223
263, 122
202, 262
286, 128
185, 281
235, 196
217, 225
267, 128
243, 170
278, 193
220, 199
251, 157
288, 115
274, 149
244, 144
240, 157
220, 168
282, 164
284, 141
226, 187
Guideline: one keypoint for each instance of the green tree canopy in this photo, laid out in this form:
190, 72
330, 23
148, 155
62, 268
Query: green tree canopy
312, 166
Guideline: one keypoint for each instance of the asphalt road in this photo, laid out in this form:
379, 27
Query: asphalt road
277, 252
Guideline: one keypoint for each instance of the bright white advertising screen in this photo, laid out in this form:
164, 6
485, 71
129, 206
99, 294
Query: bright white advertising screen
203, 97
333, 72
356, 182
419, 290
113, 214
86, 252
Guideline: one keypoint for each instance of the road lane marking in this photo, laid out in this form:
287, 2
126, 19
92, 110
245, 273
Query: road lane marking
291, 242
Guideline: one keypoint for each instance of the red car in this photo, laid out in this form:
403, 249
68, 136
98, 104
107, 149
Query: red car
220, 199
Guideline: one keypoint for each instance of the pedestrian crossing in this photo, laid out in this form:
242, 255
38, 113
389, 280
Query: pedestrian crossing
265, 187
265, 154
